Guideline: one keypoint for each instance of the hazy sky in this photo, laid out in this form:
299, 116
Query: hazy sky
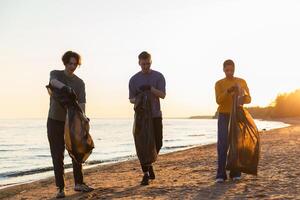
188, 40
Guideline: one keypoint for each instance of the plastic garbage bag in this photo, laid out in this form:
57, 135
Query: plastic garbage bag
143, 131
243, 141
78, 140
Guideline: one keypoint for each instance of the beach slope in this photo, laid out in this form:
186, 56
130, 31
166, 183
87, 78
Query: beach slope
187, 174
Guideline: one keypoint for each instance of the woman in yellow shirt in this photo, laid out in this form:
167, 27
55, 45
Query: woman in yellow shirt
225, 88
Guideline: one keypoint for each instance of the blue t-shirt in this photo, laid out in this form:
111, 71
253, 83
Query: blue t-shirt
154, 79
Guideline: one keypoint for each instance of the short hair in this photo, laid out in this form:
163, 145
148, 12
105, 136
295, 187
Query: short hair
71, 54
228, 62
144, 55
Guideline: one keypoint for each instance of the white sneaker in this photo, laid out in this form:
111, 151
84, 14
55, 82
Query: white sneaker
83, 188
238, 178
220, 180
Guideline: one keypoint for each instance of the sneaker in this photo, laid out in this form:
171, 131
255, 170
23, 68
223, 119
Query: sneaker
151, 173
145, 180
237, 178
83, 188
220, 180
60, 193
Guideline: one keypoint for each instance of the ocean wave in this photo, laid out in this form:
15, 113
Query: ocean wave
66, 166
27, 172
177, 147
196, 135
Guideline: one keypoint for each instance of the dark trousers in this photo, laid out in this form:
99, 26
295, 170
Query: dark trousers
158, 134
222, 146
56, 140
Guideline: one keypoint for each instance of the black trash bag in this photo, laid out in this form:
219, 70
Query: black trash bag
243, 141
143, 130
78, 140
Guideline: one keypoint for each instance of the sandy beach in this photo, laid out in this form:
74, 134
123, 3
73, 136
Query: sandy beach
187, 174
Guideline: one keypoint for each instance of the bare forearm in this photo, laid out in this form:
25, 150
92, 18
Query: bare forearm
246, 95
154, 91
158, 93
57, 84
247, 99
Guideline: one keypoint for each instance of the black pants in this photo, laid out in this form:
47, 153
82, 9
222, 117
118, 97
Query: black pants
158, 134
56, 139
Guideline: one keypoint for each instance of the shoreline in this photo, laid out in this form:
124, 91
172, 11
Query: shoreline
131, 168
91, 166
45, 172
22, 187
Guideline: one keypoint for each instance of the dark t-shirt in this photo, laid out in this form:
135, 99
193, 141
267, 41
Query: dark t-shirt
56, 111
154, 79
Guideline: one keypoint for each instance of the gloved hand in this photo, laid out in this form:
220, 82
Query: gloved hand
230, 90
67, 89
145, 88
234, 88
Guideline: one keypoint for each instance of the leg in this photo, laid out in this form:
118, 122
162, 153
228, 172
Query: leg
145, 180
145, 168
222, 146
151, 173
158, 133
55, 131
80, 186
77, 172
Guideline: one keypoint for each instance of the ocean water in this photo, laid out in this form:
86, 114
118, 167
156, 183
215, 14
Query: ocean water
25, 154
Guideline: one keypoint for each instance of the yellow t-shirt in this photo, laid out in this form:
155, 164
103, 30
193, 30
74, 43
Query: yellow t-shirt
223, 98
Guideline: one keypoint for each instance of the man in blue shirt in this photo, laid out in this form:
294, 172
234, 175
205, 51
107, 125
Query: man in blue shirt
154, 81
